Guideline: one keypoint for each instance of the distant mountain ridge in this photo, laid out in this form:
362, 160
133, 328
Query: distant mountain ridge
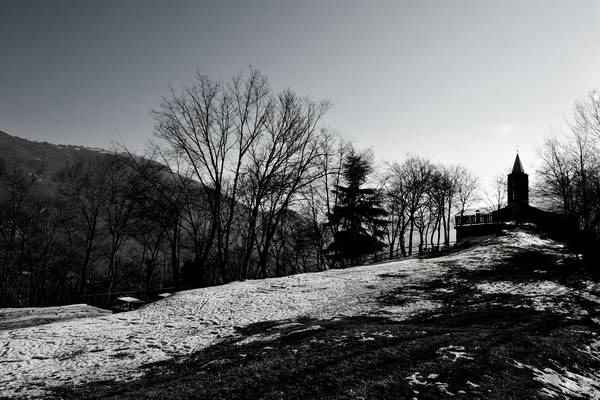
48, 157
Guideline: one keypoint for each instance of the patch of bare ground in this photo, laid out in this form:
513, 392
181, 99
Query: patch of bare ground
470, 354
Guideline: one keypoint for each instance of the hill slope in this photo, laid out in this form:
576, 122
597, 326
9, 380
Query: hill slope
48, 157
513, 317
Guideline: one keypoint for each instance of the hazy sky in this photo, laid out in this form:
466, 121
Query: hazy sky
459, 81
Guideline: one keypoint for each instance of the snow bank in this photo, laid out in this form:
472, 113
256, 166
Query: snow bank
561, 382
543, 296
541, 288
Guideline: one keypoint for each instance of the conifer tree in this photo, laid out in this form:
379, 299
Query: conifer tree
358, 216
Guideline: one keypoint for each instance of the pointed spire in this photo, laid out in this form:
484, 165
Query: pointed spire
517, 166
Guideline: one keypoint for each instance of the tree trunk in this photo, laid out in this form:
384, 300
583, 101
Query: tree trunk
410, 236
84, 266
175, 259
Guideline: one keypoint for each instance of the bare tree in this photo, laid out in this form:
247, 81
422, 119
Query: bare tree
586, 116
319, 198
16, 185
496, 194
437, 192
213, 125
418, 173
83, 187
281, 164
570, 173
556, 177
397, 207
467, 189
119, 201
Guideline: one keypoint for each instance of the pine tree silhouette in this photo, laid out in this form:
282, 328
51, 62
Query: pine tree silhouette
358, 215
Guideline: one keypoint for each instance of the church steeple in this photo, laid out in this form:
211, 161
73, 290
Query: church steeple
518, 184
517, 166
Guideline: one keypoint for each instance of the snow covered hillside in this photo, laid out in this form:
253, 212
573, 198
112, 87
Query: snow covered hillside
114, 347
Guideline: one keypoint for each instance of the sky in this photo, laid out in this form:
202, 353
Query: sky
460, 82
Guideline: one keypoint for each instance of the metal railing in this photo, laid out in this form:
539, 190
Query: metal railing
475, 219
397, 254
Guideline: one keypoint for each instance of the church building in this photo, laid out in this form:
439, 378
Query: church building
517, 212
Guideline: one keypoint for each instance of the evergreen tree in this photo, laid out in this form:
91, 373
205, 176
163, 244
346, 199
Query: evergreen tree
358, 215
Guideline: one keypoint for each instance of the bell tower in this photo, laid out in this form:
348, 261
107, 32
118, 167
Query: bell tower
518, 185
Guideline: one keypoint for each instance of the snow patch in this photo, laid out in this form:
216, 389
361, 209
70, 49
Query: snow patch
453, 353
541, 288
417, 379
560, 383
405, 311
544, 295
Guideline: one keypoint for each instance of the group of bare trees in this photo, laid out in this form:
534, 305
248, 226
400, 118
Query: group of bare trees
243, 183
24, 217
236, 187
239, 184
256, 156
422, 198
569, 177
48, 227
